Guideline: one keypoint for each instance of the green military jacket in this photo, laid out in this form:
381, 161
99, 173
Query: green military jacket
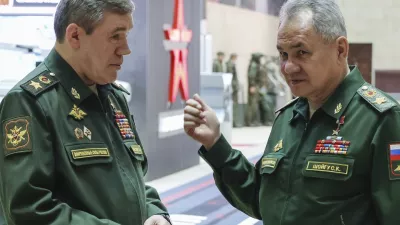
341, 167
69, 156
231, 68
217, 66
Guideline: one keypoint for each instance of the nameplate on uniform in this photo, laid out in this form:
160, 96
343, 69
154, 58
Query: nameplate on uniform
137, 149
268, 162
328, 167
90, 153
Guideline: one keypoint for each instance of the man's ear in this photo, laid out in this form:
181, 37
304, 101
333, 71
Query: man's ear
73, 35
342, 48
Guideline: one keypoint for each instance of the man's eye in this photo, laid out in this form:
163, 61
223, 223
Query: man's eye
116, 36
283, 55
301, 52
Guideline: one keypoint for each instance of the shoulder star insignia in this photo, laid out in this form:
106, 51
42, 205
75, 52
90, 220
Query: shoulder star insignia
77, 113
380, 100
36, 85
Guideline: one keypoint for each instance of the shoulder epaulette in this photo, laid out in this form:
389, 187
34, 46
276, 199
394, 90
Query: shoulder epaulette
120, 87
40, 83
288, 104
376, 98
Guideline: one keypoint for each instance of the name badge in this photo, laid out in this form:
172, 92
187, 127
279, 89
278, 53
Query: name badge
328, 167
137, 149
90, 153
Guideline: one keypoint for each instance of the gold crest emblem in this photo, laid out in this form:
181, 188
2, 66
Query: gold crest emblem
44, 79
75, 93
77, 113
338, 108
278, 146
17, 137
36, 85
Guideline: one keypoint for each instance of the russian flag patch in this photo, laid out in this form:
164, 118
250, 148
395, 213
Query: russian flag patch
394, 157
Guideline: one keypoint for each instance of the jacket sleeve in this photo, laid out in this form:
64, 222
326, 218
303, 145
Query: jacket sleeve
385, 178
153, 201
27, 167
236, 178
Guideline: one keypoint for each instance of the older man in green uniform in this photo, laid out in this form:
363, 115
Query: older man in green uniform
70, 152
333, 155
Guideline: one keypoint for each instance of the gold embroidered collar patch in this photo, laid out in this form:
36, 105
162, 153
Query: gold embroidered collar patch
77, 113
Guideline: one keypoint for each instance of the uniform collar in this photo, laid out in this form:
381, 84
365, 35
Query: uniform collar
77, 90
338, 101
344, 93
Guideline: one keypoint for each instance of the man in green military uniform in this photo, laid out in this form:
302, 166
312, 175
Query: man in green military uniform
333, 155
253, 96
231, 68
218, 66
71, 153
267, 92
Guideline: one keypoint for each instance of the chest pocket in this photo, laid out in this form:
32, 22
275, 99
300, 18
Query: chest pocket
82, 154
135, 150
270, 162
331, 167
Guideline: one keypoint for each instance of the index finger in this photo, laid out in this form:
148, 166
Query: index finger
194, 104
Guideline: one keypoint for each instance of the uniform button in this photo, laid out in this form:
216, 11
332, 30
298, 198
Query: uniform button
364, 88
52, 74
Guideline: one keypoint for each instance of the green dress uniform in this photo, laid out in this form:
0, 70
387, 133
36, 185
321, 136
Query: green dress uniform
70, 156
341, 167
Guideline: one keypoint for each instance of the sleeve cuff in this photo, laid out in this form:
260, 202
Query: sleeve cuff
218, 154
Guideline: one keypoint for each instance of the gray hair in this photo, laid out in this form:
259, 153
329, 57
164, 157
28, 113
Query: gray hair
86, 13
327, 19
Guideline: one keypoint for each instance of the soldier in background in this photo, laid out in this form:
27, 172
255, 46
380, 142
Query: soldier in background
267, 90
253, 76
218, 63
231, 68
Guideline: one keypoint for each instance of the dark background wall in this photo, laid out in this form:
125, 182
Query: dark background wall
147, 70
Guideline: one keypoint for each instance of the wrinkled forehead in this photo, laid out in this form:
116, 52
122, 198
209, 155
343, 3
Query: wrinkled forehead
295, 31
117, 22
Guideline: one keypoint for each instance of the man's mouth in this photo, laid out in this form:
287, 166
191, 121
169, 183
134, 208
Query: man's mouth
295, 82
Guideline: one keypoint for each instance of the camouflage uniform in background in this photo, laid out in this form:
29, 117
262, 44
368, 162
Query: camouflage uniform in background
218, 63
231, 68
267, 96
253, 76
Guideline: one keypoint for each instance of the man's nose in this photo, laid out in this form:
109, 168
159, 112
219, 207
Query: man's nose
124, 49
290, 67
